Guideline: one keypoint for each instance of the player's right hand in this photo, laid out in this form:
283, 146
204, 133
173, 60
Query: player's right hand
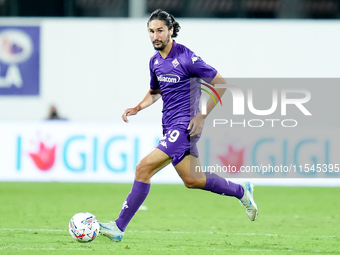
129, 112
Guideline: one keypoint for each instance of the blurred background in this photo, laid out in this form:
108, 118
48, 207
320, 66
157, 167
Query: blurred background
82, 49
282, 9
84, 61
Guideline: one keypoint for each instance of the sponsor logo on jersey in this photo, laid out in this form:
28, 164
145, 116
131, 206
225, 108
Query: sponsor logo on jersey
171, 78
175, 63
156, 62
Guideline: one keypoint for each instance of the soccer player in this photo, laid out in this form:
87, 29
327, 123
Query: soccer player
172, 69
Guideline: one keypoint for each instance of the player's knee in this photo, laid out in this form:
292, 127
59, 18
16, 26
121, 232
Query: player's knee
142, 171
192, 183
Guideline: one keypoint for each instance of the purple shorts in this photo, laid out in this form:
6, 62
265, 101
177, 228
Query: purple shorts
177, 144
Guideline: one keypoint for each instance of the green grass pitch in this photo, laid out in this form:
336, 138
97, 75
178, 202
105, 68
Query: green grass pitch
291, 220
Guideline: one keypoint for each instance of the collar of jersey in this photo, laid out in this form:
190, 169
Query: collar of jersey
171, 53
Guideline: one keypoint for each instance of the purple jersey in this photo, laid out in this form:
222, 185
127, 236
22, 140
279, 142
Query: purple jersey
173, 75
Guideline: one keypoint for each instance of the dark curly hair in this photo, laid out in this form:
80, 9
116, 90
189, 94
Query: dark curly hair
168, 19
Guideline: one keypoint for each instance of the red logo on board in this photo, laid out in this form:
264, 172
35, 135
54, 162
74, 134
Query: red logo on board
232, 158
44, 158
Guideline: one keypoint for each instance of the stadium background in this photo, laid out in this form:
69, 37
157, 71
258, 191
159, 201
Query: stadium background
90, 60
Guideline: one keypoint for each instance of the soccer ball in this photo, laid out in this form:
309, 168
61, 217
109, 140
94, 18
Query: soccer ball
84, 227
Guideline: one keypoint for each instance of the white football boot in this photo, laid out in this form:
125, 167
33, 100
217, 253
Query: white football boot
248, 201
111, 231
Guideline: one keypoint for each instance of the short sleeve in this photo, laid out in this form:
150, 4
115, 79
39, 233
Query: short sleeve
153, 78
198, 68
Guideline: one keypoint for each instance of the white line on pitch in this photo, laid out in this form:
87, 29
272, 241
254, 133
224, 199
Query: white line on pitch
223, 233
173, 232
48, 249
33, 229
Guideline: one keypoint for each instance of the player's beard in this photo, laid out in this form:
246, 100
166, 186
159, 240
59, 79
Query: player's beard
163, 45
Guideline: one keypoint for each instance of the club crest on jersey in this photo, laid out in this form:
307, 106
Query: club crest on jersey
156, 62
175, 63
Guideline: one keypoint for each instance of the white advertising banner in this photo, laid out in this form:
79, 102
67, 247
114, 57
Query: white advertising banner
273, 157
101, 152
77, 152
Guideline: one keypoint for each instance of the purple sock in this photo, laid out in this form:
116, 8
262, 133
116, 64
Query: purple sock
133, 201
220, 186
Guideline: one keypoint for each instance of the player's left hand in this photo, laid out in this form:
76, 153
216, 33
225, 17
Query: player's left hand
196, 125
